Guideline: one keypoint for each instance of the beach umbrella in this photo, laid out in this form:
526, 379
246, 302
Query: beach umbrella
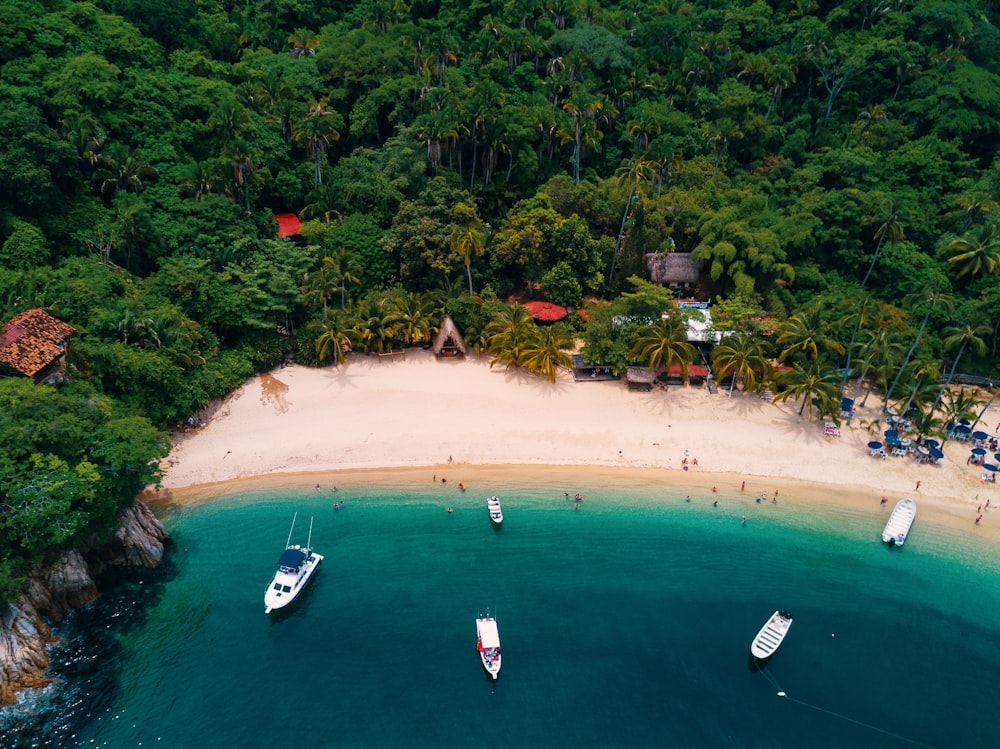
996, 456
874, 445
990, 467
924, 450
936, 454
979, 435
978, 451
931, 443
963, 430
963, 422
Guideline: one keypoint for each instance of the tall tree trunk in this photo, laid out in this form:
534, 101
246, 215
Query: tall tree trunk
951, 374
909, 355
985, 408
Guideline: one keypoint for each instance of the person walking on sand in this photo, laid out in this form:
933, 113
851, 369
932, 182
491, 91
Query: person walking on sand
918, 486
884, 500
743, 486
978, 518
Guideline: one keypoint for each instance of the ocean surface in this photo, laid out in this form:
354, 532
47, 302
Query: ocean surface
625, 622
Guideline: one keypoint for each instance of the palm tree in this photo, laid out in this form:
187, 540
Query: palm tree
815, 385
957, 406
376, 322
864, 307
468, 236
665, 343
304, 42
510, 335
344, 268
968, 334
415, 318
879, 351
742, 355
807, 332
547, 352
976, 253
317, 131
930, 299
581, 106
334, 338
889, 228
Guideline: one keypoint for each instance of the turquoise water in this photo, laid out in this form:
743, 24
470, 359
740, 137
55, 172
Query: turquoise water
626, 622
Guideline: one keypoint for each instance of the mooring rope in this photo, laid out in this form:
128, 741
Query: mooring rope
782, 693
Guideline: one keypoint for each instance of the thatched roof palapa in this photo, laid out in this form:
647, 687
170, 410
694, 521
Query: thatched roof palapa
448, 341
639, 378
672, 268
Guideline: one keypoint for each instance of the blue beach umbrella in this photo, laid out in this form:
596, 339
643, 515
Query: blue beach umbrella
931, 443
962, 430
874, 444
936, 454
963, 422
996, 456
990, 467
978, 451
979, 435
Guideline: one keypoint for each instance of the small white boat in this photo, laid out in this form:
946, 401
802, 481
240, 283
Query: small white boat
771, 635
488, 645
897, 527
496, 514
295, 569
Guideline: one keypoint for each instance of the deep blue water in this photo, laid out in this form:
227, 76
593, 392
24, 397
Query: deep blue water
624, 623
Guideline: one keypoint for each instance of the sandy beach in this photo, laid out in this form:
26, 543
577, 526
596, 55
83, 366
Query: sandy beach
407, 419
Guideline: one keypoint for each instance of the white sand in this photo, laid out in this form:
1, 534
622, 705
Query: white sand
422, 412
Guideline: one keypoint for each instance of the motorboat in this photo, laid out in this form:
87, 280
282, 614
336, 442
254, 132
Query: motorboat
496, 514
296, 568
897, 527
771, 635
488, 644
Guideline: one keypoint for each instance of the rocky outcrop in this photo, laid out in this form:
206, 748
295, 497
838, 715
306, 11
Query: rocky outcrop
63, 584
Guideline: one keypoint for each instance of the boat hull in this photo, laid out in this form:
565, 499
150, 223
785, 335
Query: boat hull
285, 588
897, 527
488, 645
770, 637
496, 512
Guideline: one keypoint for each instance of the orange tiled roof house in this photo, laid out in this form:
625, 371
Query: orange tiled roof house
33, 344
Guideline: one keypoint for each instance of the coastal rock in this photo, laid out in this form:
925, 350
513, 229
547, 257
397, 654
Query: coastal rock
138, 542
24, 657
63, 584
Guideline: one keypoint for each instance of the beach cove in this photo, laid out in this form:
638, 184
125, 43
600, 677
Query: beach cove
409, 420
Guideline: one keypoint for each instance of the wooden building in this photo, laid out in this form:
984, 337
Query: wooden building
33, 344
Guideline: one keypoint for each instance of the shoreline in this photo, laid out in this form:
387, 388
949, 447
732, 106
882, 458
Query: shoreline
399, 422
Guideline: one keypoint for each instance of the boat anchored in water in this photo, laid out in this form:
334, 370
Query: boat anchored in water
897, 527
295, 569
771, 635
496, 514
488, 644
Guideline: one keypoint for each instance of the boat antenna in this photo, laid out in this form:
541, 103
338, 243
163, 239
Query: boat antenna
291, 530
309, 541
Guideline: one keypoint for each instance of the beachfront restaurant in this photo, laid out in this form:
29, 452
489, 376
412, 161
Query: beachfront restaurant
639, 379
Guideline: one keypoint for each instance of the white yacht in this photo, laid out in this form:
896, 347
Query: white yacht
496, 514
771, 635
488, 644
898, 525
295, 569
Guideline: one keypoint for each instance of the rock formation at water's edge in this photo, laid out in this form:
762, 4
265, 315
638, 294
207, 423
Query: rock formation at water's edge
64, 584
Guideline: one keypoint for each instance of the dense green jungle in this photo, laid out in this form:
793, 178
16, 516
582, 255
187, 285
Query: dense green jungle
832, 167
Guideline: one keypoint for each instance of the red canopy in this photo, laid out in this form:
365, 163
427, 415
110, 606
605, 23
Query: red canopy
288, 224
546, 311
694, 370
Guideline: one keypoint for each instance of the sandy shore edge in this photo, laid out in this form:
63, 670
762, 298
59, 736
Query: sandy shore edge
399, 422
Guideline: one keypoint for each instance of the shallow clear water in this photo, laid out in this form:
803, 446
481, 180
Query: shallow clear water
626, 622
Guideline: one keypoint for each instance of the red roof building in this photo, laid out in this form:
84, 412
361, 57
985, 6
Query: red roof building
33, 344
288, 224
546, 311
